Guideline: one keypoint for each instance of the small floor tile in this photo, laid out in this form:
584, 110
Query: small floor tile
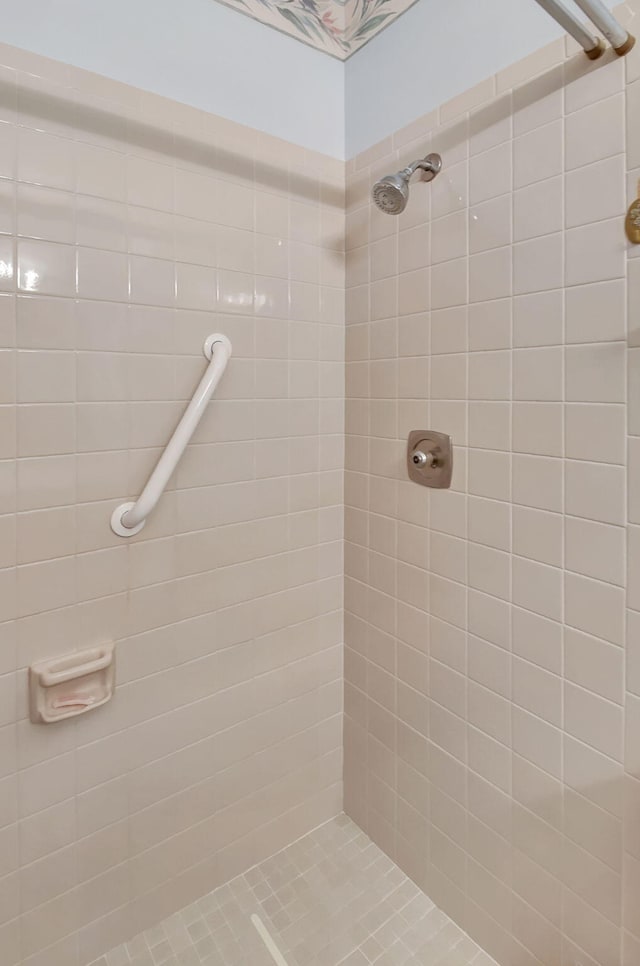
330, 899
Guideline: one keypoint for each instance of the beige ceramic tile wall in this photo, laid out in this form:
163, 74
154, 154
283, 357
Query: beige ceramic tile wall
131, 228
492, 732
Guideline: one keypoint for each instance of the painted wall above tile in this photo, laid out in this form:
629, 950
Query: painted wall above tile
336, 27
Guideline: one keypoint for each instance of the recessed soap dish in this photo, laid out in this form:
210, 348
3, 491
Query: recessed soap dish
65, 687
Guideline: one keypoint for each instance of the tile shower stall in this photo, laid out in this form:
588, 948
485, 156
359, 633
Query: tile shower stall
300, 630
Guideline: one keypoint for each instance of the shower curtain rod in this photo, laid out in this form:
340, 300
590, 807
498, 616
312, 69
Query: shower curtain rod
621, 40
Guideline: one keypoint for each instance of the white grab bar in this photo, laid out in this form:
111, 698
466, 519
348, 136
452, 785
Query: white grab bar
592, 46
619, 38
129, 518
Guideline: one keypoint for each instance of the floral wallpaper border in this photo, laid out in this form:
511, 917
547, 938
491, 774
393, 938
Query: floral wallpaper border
336, 27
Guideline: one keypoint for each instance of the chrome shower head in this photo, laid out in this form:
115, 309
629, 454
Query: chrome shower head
391, 193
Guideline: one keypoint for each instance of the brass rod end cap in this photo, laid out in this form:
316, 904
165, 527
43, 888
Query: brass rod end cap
626, 46
596, 51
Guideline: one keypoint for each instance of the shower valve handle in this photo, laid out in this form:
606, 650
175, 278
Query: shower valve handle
424, 459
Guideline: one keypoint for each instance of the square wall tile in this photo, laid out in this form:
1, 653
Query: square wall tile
604, 184
490, 275
595, 373
538, 154
606, 117
537, 264
594, 253
537, 209
490, 174
46, 268
595, 313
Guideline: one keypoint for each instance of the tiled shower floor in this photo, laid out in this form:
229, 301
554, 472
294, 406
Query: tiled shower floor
330, 898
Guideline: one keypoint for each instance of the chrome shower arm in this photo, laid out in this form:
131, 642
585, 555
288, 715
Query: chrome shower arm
432, 165
412, 168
